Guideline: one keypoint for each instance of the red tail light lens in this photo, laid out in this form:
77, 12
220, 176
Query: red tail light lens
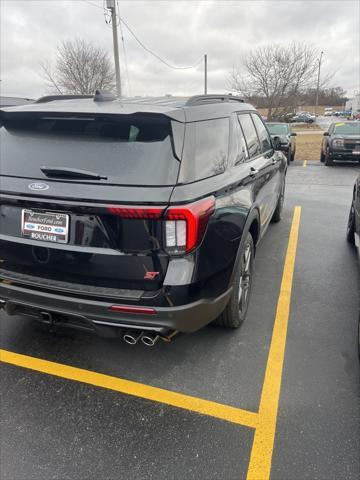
130, 309
185, 225
146, 213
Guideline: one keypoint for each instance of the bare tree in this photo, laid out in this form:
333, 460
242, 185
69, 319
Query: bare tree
80, 68
276, 73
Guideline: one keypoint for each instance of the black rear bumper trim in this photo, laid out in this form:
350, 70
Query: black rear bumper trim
184, 318
70, 288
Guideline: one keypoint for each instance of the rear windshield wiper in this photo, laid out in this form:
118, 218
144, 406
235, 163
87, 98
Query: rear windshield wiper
67, 172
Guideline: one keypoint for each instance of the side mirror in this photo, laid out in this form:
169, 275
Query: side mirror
326, 134
293, 134
276, 143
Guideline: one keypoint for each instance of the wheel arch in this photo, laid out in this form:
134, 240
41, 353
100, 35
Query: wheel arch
252, 226
254, 229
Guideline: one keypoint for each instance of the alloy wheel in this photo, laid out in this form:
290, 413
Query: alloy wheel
245, 279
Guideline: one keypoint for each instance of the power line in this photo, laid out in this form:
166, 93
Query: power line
155, 54
93, 4
125, 59
145, 47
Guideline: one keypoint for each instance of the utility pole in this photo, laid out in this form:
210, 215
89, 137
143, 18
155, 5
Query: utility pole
111, 5
318, 85
205, 73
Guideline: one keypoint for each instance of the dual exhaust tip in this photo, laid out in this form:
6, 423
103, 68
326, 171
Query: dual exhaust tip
148, 339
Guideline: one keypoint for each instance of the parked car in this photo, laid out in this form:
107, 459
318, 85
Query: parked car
303, 118
141, 216
353, 230
287, 138
328, 112
311, 115
341, 143
282, 118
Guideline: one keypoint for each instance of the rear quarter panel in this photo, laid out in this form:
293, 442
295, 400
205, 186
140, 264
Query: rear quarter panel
213, 261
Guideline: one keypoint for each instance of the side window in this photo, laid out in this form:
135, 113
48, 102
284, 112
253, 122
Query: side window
238, 149
251, 137
263, 133
205, 150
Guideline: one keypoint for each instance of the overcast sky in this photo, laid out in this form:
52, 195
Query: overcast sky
180, 32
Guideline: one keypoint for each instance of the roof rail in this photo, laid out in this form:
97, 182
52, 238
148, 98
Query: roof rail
203, 99
51, 98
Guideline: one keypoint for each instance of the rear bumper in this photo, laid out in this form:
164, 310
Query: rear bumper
95, 315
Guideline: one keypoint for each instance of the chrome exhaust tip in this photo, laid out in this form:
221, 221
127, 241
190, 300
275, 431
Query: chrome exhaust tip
132, 337
149, 339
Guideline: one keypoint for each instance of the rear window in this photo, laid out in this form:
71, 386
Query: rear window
344, 128
206, 149
127, 149
278, 128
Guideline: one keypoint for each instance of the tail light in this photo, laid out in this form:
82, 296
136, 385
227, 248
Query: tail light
184, 225
144, 213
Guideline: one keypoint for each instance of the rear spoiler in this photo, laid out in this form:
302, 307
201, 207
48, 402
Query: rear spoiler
176, 139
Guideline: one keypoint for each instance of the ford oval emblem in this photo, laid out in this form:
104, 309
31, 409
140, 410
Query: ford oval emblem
38, 186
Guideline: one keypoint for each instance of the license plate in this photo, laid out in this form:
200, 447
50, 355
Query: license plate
45, 226
356, 152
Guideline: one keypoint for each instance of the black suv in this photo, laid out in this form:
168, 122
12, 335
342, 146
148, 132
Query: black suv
341, 142
139, 216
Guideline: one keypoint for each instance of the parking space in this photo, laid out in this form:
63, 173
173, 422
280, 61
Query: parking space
72, 423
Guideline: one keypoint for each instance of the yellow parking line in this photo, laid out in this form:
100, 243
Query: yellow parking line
262, 449
305, 163
187, 402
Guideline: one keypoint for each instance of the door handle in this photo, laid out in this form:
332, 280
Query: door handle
253, 171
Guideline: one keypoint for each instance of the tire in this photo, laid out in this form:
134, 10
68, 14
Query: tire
350, 230
359, 338
277, 215
288, 156
236, 309
329, 162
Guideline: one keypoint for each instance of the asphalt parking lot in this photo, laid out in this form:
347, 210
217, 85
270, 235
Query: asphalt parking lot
74, 406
